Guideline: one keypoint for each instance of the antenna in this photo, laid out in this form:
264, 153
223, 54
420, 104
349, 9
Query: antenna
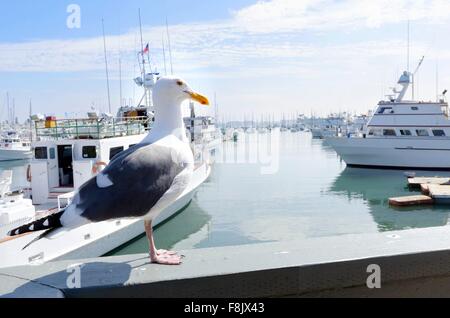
164, 54
170, 47
106, 66
437, 81
408, 47
414, 74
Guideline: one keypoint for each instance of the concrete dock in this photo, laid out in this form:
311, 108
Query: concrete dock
412, 263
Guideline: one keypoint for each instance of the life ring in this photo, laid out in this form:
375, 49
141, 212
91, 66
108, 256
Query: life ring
29, 173
97, 165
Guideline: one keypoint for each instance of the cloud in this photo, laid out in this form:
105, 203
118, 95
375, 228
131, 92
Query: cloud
260, 33
292, 15
297, 49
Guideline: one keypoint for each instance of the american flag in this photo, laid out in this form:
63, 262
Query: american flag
147, 49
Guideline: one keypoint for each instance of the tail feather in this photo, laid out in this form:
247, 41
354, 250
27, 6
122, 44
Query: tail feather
47, 224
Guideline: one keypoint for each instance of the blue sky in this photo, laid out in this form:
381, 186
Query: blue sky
262, 57
46, 19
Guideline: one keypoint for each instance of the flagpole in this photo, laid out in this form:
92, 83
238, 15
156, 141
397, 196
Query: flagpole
142, 44
147, 102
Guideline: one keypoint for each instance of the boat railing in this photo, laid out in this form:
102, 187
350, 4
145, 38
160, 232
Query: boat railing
91, 128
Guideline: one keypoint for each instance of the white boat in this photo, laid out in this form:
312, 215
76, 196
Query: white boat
59, 167
203, 133
400, 134
328, 127
13, 147
15, 209
66, 154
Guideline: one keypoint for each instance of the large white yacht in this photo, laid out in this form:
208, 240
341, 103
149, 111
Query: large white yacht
400, 134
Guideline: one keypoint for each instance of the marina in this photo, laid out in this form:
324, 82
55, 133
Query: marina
357, 200
247, 149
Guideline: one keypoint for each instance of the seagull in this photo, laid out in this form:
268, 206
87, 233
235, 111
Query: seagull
139, 182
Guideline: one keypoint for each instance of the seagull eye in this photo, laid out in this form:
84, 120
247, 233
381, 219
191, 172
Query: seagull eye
180, 83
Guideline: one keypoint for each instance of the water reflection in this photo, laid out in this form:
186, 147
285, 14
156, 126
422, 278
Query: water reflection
375, 187
312, 194
190, 226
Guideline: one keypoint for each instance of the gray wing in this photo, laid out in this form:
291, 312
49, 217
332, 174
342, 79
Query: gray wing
140, 177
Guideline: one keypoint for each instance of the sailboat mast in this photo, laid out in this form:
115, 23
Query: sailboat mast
7, 106
164, 55
120, 81
106, 66
31, 122
170, 47
142, 45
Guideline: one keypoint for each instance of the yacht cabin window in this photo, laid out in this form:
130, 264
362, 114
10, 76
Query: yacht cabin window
114, 152
89, 152
389, 132
52, 153
438, 133
40, 153
422, 133
405, 132
414, 108
375, 132
386, 110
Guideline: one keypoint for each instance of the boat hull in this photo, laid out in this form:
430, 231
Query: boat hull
11, 155
394, 153
92, 240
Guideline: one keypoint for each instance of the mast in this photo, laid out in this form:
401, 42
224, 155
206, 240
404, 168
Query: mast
408, 42
7, 106
106, 66
164, 55
170, 46
13, 112
142, 45
120, 81
31, 123
216, 108
437, 81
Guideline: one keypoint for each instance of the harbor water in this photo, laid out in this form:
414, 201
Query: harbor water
308, 193
279, 187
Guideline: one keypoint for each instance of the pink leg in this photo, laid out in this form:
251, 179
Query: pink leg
162, 257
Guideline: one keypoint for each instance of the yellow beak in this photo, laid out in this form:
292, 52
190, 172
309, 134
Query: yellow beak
199, 98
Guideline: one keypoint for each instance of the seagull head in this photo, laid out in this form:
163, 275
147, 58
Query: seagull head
172, 91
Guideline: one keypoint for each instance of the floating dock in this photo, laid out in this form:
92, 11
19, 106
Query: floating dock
417, 182
434, 190
412, 263
441, 193
411, 200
